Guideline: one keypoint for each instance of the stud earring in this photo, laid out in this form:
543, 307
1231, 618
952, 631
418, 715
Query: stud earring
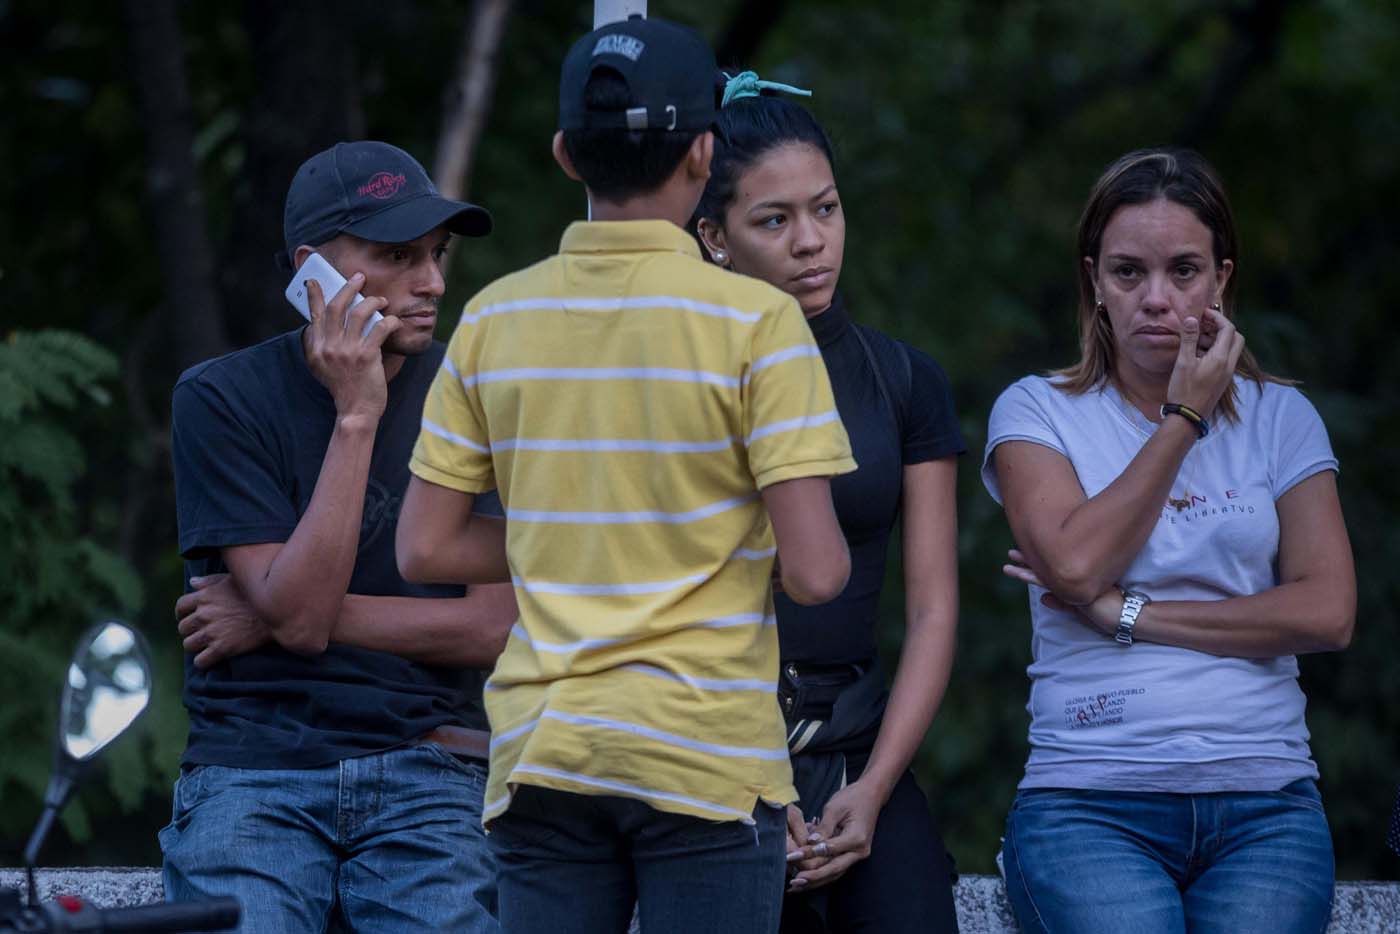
1215, 306
1099, 306
719, 257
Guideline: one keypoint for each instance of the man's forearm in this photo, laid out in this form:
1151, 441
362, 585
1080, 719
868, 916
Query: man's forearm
298, 587
467, 632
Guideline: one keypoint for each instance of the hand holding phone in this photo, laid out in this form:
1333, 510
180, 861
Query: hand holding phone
331, 281
343, 354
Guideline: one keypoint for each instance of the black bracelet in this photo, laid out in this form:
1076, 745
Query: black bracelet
1188, 413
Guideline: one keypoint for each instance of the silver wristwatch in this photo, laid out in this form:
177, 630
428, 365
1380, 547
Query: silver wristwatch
1133, 602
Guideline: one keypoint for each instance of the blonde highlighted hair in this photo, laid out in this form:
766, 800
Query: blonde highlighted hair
1140, 177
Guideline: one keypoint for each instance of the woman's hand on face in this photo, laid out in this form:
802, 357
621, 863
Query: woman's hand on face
1100, 614
1199, 378
843, 836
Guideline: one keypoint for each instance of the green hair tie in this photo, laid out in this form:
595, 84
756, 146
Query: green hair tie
749, 84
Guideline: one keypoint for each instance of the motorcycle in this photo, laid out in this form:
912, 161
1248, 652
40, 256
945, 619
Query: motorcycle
108, 686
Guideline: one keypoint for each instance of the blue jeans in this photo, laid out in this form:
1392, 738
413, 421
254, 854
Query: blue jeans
576, 864
1238, 862
394, 839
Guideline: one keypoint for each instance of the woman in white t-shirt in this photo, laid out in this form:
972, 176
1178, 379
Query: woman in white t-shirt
1176, 515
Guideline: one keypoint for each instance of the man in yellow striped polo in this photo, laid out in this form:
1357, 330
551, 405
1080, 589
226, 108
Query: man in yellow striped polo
658, 429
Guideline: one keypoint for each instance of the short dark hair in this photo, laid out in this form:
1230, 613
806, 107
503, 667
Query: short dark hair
747, 129
619, 164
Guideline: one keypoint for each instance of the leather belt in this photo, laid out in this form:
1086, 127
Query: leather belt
460, 741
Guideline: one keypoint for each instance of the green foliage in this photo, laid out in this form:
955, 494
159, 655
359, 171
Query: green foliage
56, 581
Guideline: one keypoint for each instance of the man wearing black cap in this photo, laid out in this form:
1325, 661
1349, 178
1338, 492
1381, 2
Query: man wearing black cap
659, 428
334, 762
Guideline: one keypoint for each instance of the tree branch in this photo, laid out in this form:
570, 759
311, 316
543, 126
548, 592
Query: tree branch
467, 101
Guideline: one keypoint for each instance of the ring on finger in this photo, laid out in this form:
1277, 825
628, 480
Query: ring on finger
821, 849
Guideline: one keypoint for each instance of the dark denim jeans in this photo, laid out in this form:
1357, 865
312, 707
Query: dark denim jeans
576, 864
1228, 863
395, 839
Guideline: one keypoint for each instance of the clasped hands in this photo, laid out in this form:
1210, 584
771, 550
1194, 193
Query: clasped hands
821, 851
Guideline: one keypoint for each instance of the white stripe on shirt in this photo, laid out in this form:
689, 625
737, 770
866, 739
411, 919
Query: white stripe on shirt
659, 373
672, 302
565, 648
452, 436
749, 554
628, 518
704, 684
501, 738
613, 444
606, 590
784, 355
792, 424
661, 736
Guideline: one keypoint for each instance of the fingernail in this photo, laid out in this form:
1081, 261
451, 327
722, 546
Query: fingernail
799, 882
794, 856
196, 580
815, 838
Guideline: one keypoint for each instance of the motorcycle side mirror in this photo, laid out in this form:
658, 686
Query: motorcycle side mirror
109, 685
107, 688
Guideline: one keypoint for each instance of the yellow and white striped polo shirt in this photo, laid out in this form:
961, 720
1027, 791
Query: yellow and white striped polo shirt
629, 401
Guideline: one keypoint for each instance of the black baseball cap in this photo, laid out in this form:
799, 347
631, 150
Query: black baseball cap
374, 191
668, 68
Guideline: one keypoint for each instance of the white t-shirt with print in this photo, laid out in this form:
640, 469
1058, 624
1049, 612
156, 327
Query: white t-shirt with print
1155, 717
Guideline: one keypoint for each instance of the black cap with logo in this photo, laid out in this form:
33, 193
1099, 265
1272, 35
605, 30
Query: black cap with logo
669, 70
374, 191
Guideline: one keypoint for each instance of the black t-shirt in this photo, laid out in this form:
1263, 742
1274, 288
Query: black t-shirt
250, 430
917, 424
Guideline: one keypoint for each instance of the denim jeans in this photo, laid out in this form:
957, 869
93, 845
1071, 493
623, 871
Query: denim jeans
393, 839
576, 864
1237, 862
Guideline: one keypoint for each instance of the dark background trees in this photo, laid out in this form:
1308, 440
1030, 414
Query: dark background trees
147, 147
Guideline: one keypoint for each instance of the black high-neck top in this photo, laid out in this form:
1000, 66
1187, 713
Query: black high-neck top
918, 423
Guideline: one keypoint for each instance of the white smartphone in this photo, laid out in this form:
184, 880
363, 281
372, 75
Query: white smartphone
331, 281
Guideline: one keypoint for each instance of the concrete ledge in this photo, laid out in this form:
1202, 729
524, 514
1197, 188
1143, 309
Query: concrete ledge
1359, 907
116, 887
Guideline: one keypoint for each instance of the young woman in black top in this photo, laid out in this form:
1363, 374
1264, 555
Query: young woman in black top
864, 853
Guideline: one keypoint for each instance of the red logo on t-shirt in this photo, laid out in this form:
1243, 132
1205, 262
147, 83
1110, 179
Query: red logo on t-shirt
382, 185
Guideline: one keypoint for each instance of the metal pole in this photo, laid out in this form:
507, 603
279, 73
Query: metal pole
613, 11
610, 11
